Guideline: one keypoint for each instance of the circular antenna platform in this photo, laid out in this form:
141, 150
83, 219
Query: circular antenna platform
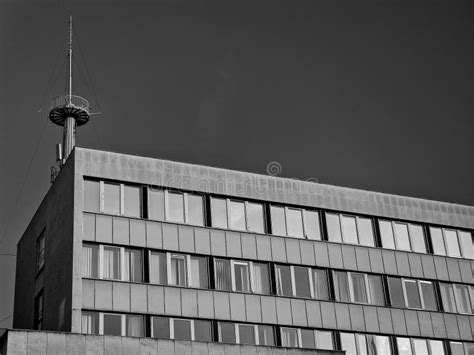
66, 106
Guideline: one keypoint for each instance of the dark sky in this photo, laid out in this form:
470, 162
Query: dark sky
376, 95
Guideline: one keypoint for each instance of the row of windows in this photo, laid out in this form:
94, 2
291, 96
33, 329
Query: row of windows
239, 215
259, 334
165, 268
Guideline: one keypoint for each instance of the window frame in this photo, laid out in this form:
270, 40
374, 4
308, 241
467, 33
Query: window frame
358, 231
187, 268
304, 224
405, 295
469, 287
351, 287
122, 261
121, 198
249, 266
40, 251
123, 329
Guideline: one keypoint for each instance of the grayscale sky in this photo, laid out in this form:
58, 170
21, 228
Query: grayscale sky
376, 95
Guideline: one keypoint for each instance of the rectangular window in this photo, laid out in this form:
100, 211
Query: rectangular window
135, 326
324, 340
320, 284
156, 204
294, 220
382, 345
175, 207
195, 210
451, 241
289, 337
158, 269
182, 329
261, 278
465, 239
236, 214
223, 275
39, 306
404, 346
417, 238
341, 286
413, 299
241, 276
178, 270
312, 229
376, 290
199, 275
255, 217
219, 212
436, 347
283, 280
246, 334
112, 198
359, 288
447, 297
226, 332
90, 260
278, 220
90, 323
202, 330
349, 229
428, 295
91, 196
266, 335
420, 346
396, 292
302, 283
437, 241
401, 236
40, 250
131, 201
112, 324
307, 339
456, 348
160, 327
133, 265
333, 227
111, 263
461, 294
365, 231
348, 343
386, 234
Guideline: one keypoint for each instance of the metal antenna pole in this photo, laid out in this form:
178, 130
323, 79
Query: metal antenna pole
70, 124
70, 55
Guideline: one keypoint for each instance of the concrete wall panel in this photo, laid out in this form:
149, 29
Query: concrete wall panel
349, 257
451, 326
237, 306
357, 317
426, 328
170, 237
464, 328
94, 344
335, 256
103, 232
293, 251
121, 297
189, 303
112, 345
88, 290
389, 263
278, 249
342, 316
56, 343
398, 322
156, 299
385, 320
264, 249
403, 265
363, 260
268, 309
298, 311
453, 270
103, 295
249, 246
441, 268
218, 247
439, 328
154, 235
307, 252
415, 265
411, 319
121, 230
376, 261
205, 304
221, 305
283, 310
466, 271
428, 265
186, 239
371, 319
172, 301
321, 254
36, 343
202, 241
253, 308
137, 233
138, 298
328, 315
75, 344
313, 314
130, 345
88, 229
233, 244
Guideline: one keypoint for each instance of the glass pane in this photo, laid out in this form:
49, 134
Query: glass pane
219, 212
302, 282
266, 335
456, 348
199, 276
359, 289
134, 326
131, 201
417, 238
334, 228
348, 344
175, 207
341, 286
133, 265
420, 347
312, 229
283, 280
90, 260
320, 284
236, 215
182, 329
111, 263
461, 293
112, 198
307, 339
158, 273
382, 345
386, 234
349, 230
376, 290
404, 346
429, 298
401, 236
247, 334
452, 245
437, 241
223, 278
294, 222
362, 341
469, 348
413, 296
278, 220
324, 340
178, 270
195, 210
447, 296
289, 337
91, 196
242, 280
161, 327
365, 231
436, 347
226, 332
255, 217
90, 323
202, 330
465, 239
396, 292
112, 324
156, 204
261, 278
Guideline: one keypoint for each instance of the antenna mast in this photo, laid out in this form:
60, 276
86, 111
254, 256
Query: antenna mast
70, 55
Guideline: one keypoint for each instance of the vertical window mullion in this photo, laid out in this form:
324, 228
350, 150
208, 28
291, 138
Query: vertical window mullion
237, 333
311, 283
350, 284
168, 268
171, 325
193, 335
188, 271
245, 215
404, 293
286, 220
367, 289
300, 339
122, 199
101, 261
122, 264
293, 282
101, 196
123, 325
251, 276
232, 274
167, 213
185, 206
101, 323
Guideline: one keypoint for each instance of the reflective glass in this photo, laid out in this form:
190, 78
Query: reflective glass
307, 339
158, 273
182, 329
361, 343
461, 293
278, 220
311, 225
255, 217
302, 282
294, 220
365, 231
349, 229
413, 296
429, 297
437, 241
348, 343
396, 292
195, 210
320, 284
134, 326
219, 212
227, 332
420, 347
202, 330
236, 215
111, 263
376, 290
90, 323
447, 296
324, 340
341, 286
199, 276
289, 337
386, 234
334, 228
223, 275
241, 275
161, 327
436, 347
261, 278
175, 207
451, 240
156, 204
247, 334
359, 289
112, 324
112, 198
401, 236
133, 265
417, 238
456, 348
469, 348
91, 196
131, 201
178, 270
90, 260
382, 345
266, 335
283, 280
404, 346
465, 239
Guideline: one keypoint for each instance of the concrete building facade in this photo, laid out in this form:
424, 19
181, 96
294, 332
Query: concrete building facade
139, 247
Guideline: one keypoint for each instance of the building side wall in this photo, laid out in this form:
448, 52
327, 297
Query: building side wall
55, 217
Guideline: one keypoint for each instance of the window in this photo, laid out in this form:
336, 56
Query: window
158, 269
308, 340
407, 346
365, 231
160, 328
175, 207
199, 274
156, 204
420, 346
350, 229
412, 295
241, 277
402, 236
261, 278
90, 322
182, 329
348, 343
195, 210
320, 284
396, 292
177, 270
360, 344
246, 334
219, 212
91, 196
283, 280
39, 305
456, 348
324, 340
358, 287
402, 240
333, 227
294, 222
266, 335
40, 251
382, 345
223, 277
376, 290
202, 330
461, 294
289, 337
341, 286
90, 260
255, 217
437, 241
111, 263
404, 346
417, 238
302, 281
436, 347
237, 215
131, 201
114, 198
133, 266
451, 241
465, 239
428, 296
111, 198
312, 228
135, 326
111, 324
278, 220
447, 297
386, 234
226, 332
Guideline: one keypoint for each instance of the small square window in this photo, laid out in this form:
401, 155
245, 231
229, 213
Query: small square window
227, 332
182, 329
289, 337
178, 270
266, 335
161, 327
135, 326
112, 324
246, 334
278, 220
202, 330
302, 286
241, 277
223, 278
307, 339
413, 296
